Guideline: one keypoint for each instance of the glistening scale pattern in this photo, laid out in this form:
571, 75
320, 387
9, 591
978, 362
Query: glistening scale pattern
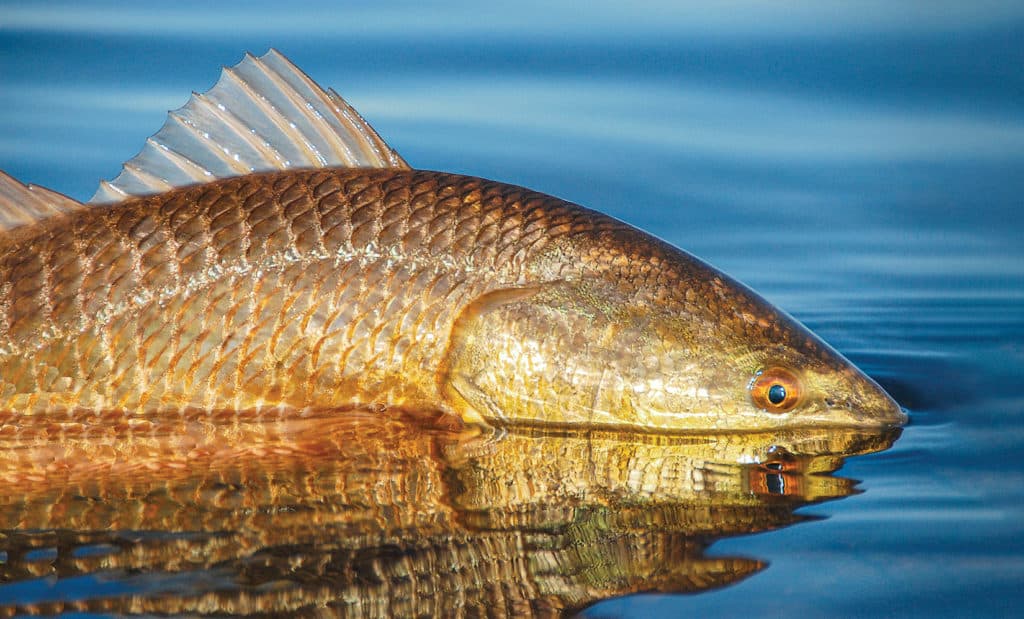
293, 289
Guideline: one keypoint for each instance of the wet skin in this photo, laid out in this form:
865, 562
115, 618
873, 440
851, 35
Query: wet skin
318, 289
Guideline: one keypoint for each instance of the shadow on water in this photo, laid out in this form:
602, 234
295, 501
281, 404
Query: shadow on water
364, 515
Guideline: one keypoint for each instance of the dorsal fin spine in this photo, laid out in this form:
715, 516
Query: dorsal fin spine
263, 114
373, 141
291, 96
248, 135
183, 163
204, 139
264, 107
325, 99
352, 124
110, 193
237, 127
22, 204
187, 165
145, 176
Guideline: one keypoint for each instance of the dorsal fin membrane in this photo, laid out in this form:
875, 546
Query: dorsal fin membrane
22, 204
263, 114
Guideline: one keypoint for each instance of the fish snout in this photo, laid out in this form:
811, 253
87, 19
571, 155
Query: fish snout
868, 405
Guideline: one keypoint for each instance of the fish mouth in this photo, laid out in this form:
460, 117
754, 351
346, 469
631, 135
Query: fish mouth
873, 409
889, 416
893, 414
895, 418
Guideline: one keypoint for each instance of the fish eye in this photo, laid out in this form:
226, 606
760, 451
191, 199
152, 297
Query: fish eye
776, 390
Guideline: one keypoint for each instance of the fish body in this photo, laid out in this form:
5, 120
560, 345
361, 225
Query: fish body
348, 286
302, 289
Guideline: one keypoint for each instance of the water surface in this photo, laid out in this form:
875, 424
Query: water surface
861, 167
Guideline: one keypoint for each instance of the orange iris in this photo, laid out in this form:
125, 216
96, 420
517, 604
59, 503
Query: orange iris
776, 390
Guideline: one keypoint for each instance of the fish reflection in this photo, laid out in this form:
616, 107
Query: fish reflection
366, 515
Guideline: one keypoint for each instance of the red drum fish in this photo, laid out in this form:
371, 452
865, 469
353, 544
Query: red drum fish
268, 252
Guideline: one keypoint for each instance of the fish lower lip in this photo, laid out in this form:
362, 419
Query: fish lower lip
903, 417
893, 417
894, 420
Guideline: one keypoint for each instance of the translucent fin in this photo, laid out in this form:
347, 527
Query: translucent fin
22, 204
263, 114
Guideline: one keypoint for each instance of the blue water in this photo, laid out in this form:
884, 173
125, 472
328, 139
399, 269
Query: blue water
860, 164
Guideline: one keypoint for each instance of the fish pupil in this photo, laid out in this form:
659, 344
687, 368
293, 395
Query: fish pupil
776, 394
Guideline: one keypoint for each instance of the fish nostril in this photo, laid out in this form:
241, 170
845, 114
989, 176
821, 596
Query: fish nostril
829, 402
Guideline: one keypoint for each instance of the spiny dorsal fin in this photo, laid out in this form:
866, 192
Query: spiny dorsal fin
22, 204
262, 114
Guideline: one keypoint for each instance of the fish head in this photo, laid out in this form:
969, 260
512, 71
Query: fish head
769, 371
729, 359
638, 333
